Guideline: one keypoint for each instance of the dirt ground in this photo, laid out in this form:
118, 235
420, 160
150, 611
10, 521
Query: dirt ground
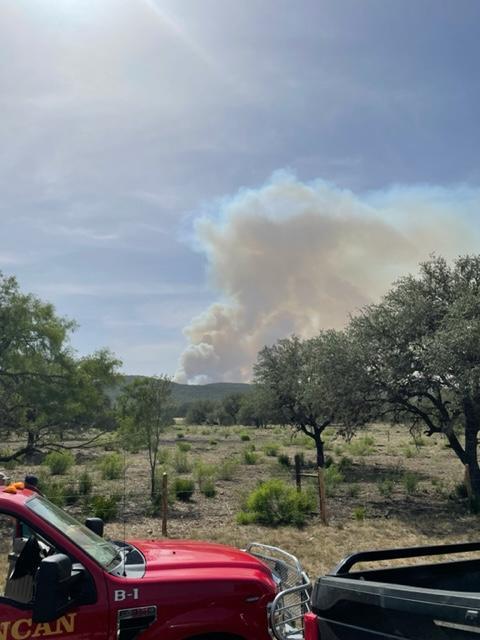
394, 491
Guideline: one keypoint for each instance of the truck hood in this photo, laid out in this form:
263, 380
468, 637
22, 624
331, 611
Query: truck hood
189, 554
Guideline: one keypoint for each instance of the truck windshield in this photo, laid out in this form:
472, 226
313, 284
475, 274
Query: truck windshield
104, 552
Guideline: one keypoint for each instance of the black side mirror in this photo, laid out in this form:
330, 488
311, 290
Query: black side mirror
53, 588
95, 525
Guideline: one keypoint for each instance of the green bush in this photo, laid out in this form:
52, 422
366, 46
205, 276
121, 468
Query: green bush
353, 490
182, 462
410, 482
249, 456
284, 460
362, 446
184, 488
59, 462
85, 484
208, 488
54, 490
244, 437
345, 464
271, 450
112, 466
163, 456
276, 503
104, 507
184, 446
359, 513
226, 470
386, 487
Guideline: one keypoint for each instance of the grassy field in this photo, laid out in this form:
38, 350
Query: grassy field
386, 490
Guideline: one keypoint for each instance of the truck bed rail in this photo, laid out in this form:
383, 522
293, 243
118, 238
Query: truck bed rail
293, 600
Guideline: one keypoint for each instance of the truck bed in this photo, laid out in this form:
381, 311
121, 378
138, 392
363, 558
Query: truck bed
420, 602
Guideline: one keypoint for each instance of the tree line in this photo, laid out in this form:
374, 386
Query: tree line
413, 359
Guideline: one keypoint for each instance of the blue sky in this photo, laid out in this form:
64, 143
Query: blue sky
157, 156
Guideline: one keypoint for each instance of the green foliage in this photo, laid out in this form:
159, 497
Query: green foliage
284, 460
250, 457
146, 411
184, 489
359, 513
410, 482
105, 507
53, 489
226, 470
59, 462
353, 490
208, 488
85, 484
271, 449
112, 466
184, 446
182, 462
420, 348
275, 503
386, 487
363, 446
244, 437
345, 464
180, 435
44, 389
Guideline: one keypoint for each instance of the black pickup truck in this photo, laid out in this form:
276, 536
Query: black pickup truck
420, 602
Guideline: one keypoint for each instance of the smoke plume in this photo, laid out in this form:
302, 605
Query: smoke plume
292, 257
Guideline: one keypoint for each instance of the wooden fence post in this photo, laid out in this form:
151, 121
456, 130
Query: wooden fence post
298, 472
164, 504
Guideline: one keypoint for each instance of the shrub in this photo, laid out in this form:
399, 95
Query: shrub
182, 462
271, 450
276, 503
362, 446
213, 442
226, 470
112, 466
184, 446
386, 487
72, 494
59, 462
180, 435
85, 484
54, 490
353, 491
249, 456
284, 460
410, 482
345, 464
359, 513
208, 488
163, 456
204, 472
105, 507
184, 488
244, 437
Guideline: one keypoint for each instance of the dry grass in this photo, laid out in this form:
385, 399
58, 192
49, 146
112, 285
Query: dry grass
392, 518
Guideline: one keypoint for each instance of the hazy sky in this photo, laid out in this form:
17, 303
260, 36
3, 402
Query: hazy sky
191, 179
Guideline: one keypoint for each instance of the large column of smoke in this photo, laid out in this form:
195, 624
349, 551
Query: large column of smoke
295, 258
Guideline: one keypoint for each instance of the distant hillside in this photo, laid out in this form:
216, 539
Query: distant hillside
184, 393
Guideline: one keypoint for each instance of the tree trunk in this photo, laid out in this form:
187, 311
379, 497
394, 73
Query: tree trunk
321, 477
472, 428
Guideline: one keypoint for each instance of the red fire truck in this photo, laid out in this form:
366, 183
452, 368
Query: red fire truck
62, 579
